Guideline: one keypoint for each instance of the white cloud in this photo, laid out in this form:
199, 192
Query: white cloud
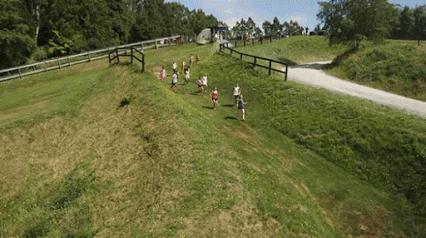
301, 19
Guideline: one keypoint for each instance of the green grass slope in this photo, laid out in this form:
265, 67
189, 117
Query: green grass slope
167, 165
296, 49
395, 66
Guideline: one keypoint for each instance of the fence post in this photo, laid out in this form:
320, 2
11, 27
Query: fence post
156, 46
143, 63
45, 67
118, 56
241, 56
286, 72
19, 71
69, 61
255, 62
59, 63
131, 55
88, 56
270, 68
142, 46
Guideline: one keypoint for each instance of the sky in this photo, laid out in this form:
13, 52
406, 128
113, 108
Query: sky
304, 11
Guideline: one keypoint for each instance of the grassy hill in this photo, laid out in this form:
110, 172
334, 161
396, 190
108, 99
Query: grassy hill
83, 163
395, 66
297, 49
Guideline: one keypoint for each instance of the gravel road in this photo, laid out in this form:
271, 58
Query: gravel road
310, 74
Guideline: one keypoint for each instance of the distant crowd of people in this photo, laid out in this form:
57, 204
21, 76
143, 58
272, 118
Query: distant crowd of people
202, 84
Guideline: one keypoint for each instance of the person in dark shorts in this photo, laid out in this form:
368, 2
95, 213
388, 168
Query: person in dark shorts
240, 105
174, 80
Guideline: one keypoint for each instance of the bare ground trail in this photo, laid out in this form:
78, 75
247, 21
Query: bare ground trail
311, 74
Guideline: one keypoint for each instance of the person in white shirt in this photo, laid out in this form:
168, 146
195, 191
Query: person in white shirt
174, 80
204, 80
236, 91
186, 75
202, 83
174, 67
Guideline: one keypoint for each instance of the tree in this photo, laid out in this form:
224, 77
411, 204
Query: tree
16, 43
420, 23
406, 23
276, 28
292, 28
267, 28
354, 20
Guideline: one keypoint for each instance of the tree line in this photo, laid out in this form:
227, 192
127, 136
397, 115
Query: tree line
248, 28
33, 30
375, 20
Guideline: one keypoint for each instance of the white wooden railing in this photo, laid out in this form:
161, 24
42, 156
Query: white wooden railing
67, 61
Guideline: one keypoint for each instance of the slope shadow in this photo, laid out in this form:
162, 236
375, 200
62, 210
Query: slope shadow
287, 61
314, 66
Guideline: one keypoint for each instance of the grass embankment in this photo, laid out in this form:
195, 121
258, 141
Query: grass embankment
168, 165
395, 66
296, 49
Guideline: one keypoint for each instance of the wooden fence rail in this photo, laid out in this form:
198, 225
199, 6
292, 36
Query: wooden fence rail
255, 60
67, 61
114, 55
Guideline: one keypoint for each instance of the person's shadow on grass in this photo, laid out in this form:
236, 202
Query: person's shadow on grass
231, 118
228, 105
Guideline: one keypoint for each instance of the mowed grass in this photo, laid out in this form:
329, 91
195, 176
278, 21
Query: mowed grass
168, 165
59, 92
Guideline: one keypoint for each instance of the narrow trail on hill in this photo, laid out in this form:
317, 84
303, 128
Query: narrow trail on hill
311, 74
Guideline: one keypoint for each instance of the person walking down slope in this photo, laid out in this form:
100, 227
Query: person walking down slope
240, 105
174, 67
191, 60
163, 74
236, 91
214, 97
186, 75
202, 83
183, 66
174, 80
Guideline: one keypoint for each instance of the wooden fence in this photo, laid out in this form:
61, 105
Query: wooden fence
254, 60
254, 41
67, 61
115, 54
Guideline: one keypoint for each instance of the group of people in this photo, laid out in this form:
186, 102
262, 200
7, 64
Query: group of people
202, 84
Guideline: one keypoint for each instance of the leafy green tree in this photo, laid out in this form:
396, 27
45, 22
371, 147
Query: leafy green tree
292, 28
267, 28
354, 20
420, 23
406, 23
16, 43
276, 28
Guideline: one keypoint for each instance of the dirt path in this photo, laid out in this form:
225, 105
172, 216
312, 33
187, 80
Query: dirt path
311, 74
